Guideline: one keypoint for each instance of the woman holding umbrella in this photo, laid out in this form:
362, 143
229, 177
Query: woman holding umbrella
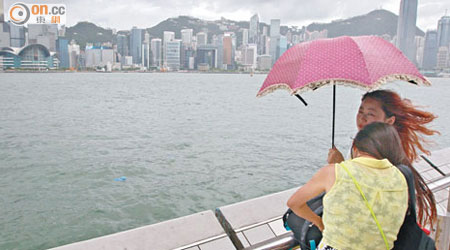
388, 107
366, 62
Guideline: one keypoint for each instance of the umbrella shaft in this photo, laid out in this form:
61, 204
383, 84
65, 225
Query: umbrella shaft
334, 114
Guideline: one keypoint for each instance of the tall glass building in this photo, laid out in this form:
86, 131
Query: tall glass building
406, 28
122, 45
136, 45
62, 49
430, 50
444, 31
156, 44
173, 53
17, 34
253, 32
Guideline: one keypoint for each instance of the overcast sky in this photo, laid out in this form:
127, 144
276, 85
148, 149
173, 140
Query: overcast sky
124, 14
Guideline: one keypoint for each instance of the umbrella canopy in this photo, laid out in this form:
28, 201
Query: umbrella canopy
363, 61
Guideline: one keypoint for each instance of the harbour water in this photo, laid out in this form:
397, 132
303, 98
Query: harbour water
184, 142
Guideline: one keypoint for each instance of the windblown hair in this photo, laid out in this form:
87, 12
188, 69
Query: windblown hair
409, 121
381, 141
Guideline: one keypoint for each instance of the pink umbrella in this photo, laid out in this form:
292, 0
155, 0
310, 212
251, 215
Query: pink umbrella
364, 61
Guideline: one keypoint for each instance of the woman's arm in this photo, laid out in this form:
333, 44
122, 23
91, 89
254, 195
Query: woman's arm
322, 181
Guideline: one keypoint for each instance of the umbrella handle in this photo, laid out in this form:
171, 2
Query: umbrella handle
334, 114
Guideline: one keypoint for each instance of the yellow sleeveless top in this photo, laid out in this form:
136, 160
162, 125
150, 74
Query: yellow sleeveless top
348, 222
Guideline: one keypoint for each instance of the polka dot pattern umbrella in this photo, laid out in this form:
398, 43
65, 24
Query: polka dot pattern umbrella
363, 61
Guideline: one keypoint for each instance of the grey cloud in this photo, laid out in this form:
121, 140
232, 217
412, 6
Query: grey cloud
121, 14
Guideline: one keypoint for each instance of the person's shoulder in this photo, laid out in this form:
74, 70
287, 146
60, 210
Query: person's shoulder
327, 170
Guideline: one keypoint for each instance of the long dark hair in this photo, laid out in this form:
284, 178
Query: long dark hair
381, 141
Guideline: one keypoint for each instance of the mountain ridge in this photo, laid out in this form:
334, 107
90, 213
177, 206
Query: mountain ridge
376, 22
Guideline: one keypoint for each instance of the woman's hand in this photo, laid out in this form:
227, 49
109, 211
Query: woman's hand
334, 156
320, 225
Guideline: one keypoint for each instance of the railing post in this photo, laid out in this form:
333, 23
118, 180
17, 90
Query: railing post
443, 229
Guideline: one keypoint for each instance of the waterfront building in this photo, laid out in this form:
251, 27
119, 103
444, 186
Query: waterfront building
186, 37
146, 55
62, 49
17, 35
33, 56
249, 56
264, 62
202, 38
274, 39
442, 58
5, 39
444, 31
2, 17
420, 44
126, 62
430, 50
406, 28
74, 55
136, 45
122, 45
283, 46
275, 27
253, 34
173, 53
98, 56
44, 34
168, 36
156, 45
315, 35
206, 55
188, 58
227, 51
244, 36
218, 42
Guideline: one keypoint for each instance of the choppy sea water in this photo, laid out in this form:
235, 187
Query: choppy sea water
184, 142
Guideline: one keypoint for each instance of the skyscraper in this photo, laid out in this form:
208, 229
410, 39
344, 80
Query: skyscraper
218, 42
45, 34
430, 50
282, 46
406, 28
122, 45
444, 31
136, 45
5, 39
2, 18
74, 55
275, 27
253, 33
274, 39
173, 53
62, 47
186, 37
227, 51
244, 36
156, 51
207, 55
202, 38
168, 36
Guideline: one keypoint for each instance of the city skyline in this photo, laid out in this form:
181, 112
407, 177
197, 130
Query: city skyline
144, 14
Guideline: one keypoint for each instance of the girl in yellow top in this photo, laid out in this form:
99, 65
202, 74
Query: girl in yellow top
347, 223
